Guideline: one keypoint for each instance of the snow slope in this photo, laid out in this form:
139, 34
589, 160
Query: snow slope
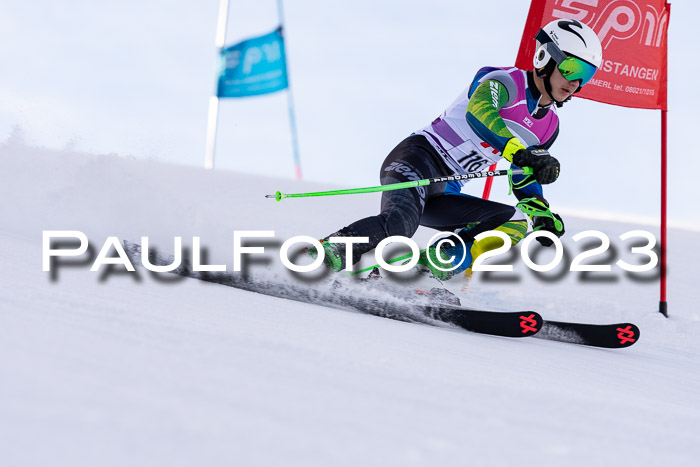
128, 369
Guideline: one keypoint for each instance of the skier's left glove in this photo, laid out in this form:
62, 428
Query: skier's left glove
545, 167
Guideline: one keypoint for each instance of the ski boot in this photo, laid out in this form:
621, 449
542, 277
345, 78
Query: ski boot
334, 257
447, 257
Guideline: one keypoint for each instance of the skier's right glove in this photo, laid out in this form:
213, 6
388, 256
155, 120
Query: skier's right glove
548, 224
544, 166
542, 218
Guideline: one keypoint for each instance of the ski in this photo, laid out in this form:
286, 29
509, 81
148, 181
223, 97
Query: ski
445, 306
497, 323
610, 336
419, 307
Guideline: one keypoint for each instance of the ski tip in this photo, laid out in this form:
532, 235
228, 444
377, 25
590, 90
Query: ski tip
627, 334
496, 323
608, 336
530, 323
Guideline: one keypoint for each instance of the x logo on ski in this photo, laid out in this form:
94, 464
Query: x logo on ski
625, 335
528, 323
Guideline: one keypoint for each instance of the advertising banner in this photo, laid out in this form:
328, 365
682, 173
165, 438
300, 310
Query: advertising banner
633, 34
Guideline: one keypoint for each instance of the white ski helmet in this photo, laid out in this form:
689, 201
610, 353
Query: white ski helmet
572, 46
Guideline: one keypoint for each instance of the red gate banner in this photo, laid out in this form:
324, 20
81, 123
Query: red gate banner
633, 34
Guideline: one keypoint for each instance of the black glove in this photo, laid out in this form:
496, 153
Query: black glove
546, 223
544, 166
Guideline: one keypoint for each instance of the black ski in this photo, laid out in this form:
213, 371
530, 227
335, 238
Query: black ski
497, 323
418, 307
610, 336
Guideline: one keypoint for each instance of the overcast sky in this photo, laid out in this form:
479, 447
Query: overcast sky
134, 77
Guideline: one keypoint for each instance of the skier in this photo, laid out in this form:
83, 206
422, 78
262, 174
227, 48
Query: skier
505, 113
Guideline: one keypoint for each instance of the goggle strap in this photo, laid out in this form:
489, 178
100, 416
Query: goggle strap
552, 48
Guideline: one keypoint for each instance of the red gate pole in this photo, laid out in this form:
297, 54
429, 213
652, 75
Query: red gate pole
663, 305
489, 182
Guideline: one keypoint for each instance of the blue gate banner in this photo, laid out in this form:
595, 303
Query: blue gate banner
253, 67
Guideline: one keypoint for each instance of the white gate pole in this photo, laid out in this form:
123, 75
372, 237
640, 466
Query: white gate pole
213, 117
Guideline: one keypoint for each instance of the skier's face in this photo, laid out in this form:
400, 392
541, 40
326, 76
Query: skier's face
562, 88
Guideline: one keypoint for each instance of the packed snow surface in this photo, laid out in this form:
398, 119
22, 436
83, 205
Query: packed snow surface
112, 368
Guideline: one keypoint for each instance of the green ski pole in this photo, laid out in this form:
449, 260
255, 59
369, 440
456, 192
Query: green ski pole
399, 186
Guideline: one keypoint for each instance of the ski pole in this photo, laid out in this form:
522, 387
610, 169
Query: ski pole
399, 186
